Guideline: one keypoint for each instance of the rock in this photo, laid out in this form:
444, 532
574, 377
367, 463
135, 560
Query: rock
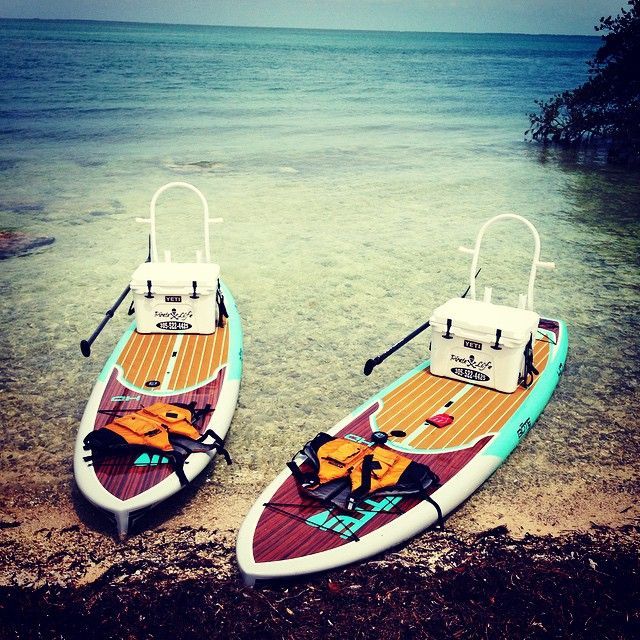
22, 207
17, 243
206, 164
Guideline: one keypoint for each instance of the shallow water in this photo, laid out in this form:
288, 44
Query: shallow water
348, 167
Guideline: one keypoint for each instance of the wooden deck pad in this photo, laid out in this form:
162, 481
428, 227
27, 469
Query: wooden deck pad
477, 411
172, 362
186, 368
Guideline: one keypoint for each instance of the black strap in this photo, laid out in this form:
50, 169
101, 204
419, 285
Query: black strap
176, 460
221, 306
192, 407
303, 479
368, 465
430, 500
448, 335
217, 444
529, 369
198, 414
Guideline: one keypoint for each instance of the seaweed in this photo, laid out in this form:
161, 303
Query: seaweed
490, 586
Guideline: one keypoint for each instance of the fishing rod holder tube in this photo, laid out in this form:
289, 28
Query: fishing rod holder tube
177, 297
483, 343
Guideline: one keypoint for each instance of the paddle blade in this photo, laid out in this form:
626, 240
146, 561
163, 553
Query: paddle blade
85, 347
368, 366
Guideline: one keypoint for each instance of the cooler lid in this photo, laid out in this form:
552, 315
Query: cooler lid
176, 275
484, 318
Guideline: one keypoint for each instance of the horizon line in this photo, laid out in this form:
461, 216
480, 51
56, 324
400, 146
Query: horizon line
244, 26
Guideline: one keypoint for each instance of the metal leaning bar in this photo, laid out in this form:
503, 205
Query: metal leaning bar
535, 264
151, 220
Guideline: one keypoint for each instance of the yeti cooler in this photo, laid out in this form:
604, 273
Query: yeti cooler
481, 343
175, 297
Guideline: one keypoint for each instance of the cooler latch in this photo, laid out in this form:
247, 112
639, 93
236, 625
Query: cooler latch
447, 335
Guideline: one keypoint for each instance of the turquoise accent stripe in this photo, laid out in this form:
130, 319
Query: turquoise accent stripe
145, 460
527, 414
236, 336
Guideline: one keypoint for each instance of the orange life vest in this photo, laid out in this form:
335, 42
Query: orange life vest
344, 471
339, 458
161, 426
152, 425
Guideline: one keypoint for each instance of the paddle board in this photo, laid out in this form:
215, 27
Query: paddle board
199, 370
286, 533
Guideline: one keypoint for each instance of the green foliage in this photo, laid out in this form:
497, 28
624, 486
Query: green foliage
606, 108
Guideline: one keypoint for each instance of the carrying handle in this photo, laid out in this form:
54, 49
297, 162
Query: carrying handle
536, 263
151, 220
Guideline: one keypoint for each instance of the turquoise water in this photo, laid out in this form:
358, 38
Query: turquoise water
348, 167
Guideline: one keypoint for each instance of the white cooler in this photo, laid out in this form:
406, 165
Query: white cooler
172, 297
481, 343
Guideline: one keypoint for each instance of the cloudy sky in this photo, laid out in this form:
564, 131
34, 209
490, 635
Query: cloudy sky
516, 16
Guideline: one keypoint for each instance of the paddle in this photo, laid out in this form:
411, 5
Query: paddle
85, 345
370, 364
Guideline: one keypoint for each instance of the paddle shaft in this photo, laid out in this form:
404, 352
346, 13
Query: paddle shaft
374, 362
85, 345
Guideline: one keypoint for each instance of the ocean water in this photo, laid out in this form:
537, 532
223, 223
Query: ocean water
348, 168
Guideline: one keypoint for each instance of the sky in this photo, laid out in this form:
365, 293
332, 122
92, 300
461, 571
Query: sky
514, 16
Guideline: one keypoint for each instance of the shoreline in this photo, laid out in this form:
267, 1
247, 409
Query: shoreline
504, 567
446, 584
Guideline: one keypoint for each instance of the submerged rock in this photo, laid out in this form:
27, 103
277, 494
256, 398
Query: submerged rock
17, 243
206, 164
23, 207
